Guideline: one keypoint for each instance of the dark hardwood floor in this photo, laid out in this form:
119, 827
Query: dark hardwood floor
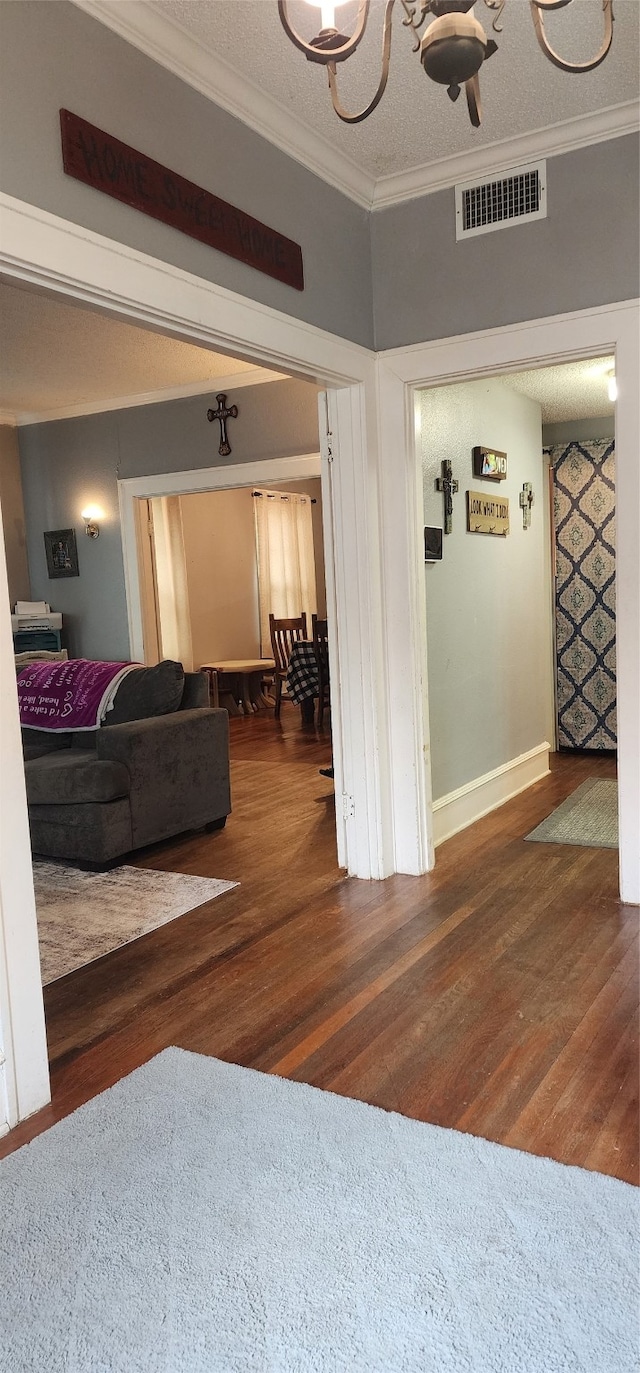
497, 995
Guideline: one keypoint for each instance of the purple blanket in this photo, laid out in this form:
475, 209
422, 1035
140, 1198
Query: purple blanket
71, 695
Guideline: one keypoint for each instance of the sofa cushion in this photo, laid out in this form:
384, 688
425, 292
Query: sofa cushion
73, 776
35, 742
147, 691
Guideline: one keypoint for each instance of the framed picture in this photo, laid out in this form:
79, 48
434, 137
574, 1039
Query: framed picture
432, 544
490, 464
62, 554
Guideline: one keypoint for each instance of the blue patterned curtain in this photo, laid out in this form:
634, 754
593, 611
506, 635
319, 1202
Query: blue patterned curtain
584, 515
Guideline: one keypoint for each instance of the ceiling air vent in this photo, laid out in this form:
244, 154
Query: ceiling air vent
511, 198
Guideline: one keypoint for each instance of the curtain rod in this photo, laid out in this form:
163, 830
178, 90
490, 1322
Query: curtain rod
284, 496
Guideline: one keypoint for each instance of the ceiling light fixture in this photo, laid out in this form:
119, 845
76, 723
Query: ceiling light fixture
452, 47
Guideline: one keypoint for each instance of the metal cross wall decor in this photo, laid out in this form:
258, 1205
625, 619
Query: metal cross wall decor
448, 485
526, 499
222, 414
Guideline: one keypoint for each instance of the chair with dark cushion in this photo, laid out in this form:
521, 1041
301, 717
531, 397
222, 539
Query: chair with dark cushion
284, 634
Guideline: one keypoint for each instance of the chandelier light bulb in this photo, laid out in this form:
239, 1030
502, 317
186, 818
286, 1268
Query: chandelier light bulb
327, 11
452, 49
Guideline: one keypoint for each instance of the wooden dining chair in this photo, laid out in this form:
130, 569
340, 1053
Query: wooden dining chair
321, 647
284, 634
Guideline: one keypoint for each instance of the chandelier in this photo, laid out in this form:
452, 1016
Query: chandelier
452, 47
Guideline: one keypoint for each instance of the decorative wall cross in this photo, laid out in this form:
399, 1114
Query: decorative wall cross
448, 485
222, 414
526, 499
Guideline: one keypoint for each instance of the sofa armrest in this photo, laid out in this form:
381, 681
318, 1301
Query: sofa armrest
179, 770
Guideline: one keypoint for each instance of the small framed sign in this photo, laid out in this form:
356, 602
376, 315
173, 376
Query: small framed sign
62, 553
490, 464
487, 514
432, 544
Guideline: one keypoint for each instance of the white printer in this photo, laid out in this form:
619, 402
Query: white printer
35, 626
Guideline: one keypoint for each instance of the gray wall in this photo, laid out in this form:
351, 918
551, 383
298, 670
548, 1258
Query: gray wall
425, 285
489, 600
586, 253
69, 463
54, 56
11, 505
575, 431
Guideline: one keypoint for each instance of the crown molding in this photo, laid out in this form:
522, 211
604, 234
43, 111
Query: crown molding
166, 43
255, 376
159, 38
492, 158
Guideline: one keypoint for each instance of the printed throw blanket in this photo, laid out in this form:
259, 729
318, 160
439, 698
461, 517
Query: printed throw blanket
71, 695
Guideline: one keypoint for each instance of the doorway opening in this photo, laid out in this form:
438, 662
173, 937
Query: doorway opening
520, 592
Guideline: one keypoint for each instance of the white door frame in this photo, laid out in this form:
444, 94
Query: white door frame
224, 478
384, 789
401, 373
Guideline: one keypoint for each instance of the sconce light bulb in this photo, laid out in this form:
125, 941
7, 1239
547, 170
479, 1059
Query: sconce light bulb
612, 387
91, 514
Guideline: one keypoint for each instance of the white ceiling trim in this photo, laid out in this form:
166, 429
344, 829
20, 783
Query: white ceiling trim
565, 137
166, 43
255, 377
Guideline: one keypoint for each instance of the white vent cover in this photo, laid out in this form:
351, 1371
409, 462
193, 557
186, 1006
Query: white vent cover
510, 198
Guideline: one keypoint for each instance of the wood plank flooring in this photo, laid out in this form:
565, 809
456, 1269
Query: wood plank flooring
498, 994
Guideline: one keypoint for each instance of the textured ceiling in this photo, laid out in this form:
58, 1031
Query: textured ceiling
55, 356
416, 123
572, 391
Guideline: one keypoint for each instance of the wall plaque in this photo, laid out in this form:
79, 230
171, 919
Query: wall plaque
487, 514
97, 159
490, 464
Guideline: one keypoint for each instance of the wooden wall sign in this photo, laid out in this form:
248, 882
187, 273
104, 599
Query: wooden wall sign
489, 464
97, 159
487, 514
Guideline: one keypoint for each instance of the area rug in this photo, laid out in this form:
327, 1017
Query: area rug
83, 915
202, 1217
589, 816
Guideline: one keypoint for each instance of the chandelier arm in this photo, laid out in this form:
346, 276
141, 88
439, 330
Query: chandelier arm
411, 22
472, 92
499, 6
327, 55
386, 52
537, 7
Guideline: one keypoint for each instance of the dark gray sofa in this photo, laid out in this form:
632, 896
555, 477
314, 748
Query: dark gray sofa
94, 797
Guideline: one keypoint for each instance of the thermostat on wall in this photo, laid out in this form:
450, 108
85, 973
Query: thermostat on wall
432, 544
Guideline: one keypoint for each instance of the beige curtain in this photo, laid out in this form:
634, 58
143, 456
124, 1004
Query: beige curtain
286, 564
171, 581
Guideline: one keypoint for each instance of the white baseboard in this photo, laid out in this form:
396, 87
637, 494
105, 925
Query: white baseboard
460, 808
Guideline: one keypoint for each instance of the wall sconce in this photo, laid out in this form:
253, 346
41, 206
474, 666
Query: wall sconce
91, 514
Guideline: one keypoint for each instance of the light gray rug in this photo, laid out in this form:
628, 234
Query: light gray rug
203, 1218
589, 816
83, 915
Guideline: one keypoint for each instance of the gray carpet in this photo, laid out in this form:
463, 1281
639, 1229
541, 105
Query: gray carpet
589, 817
84, 915
203, 1218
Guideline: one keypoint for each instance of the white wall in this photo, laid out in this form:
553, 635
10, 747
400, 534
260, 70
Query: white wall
489, 600
15, 539
220, 553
